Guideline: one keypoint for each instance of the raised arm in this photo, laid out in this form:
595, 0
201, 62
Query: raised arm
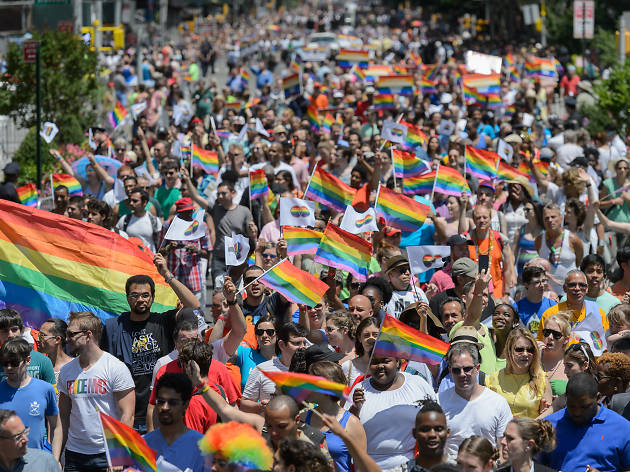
474, 304
610, 224
184, 294
355, 440
102, 173
237, 319
192, 190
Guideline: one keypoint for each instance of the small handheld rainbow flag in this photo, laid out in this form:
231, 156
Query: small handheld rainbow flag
427, 86
431, 70
313, 117
506, 172
358, 73
295, 284
344, 251
395, 84
400, 211
301, 240
384, 101
27, 194
482, 164
328, 190
244, 77
482, 81
419, 184
415, 137
74, 187
258, 187
291, 85
327, 123
472, 96
235, 105
300, 386
348, 57
450, 182
398, 340
125, 447
408, 165
539, 67
118, 115
205, 159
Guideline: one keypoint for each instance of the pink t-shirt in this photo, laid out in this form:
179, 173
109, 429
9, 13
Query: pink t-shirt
442, 279
271, 231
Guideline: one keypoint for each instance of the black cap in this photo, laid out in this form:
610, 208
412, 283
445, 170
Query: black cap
12, 168
321, 352
579, 161
97, 129
456, 239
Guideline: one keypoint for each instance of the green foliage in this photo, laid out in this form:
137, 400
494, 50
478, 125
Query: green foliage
614, 95
26, 156
70, 85
598, 119
607, 44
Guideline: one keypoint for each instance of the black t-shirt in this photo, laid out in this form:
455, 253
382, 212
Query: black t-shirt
436, 302
8, 192
274, 305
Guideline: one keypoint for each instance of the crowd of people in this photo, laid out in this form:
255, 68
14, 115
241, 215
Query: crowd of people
533, 298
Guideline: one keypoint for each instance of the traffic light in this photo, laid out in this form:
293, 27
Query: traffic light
626, 42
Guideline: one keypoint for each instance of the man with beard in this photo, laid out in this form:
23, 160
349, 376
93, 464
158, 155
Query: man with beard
175, 442
92, 382
139, 337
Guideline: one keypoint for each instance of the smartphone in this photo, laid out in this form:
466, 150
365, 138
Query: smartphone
484, 262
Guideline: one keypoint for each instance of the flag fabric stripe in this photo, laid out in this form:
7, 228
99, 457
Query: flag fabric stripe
481, 81
295, 284
400, 211
205, 159
118, 115
295, 383
258, 187
344, 251
291, 85
125, 447
328, 190
415, 137
507, 172
450, 182
301, 240
27, 194
482, 164
419, 184
74, 187
408, 165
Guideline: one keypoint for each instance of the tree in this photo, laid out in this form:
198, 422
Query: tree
614, 95
69, 86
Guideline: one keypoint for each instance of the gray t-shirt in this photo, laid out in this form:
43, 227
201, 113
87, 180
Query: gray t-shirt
35, 461
227, 222
142, 228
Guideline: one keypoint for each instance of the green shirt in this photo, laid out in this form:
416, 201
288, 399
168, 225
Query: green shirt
489, 361
619, 213
166, 198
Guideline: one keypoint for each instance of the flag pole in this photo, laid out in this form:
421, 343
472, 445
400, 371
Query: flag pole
437, 171
310, 180
100, 421
261, 275
391, 153
397, 121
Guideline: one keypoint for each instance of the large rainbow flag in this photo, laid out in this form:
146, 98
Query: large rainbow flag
27, 195
301, 240
300, 386
51, 265
125, 447
482, 164
482, 81
398, 340
344, 251
395, 84
384, 101
73, 185
118, 115
328, 190
349, 57
400, 211
258, 187
295, 284
205, 159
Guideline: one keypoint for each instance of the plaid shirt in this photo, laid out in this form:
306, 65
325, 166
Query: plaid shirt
185, 265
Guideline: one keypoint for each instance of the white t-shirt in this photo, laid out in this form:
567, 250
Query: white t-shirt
349, 368
388, 418
141, 228
487, 416
260, 387
90, 391
402, 299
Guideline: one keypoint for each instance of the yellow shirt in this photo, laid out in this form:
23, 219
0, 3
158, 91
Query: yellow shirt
578, 316
523, 400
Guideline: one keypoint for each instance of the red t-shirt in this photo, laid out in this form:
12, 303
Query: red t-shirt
199, 416
217, 374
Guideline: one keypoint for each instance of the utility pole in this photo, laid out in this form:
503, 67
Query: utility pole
38, 99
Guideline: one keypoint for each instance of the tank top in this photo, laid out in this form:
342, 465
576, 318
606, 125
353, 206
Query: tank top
526, 250
564, 263
336, 447
493, 246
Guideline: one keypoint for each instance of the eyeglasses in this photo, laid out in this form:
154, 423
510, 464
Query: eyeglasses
577, 284
551, 332
269, 256
11, 363
521, 349
269, 332
466, 370
164, 401
72, 334
17, 436
172, 172
41, 336
330, 329
144, 296
249, 280
402, 270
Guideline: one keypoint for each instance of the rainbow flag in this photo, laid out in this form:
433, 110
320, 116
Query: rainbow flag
118, 115
327, 123
384, 101
234, 105
408, 165
494, 101
542, 166
358, 73
313, 117
300, 386
27, 195
125, 447
291, 85
419, 184
482, 81
400, 211
255, 101
328, 190
450, 182
417, 60
258, 187
74, 187
349, 57
398, 340
507, 172
51, 265
205, 159
301, 240
431, 71
509, 60
427, 86
472, 96
295, 284
395, 84
415, 137
377, 70
482, 164
244, 77
515, 74
344, 251
539, 67
223, 133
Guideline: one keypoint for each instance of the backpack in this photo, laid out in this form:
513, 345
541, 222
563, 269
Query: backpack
154, 225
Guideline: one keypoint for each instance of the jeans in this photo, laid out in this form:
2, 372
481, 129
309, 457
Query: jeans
76, 462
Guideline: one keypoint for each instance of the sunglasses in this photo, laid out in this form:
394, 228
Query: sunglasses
552, 332
577, 284
13, 363
248, 280
269, 256
269, 332
458, 370
521, 349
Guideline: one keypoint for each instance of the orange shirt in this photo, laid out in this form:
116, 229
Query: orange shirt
321, 101
496, 259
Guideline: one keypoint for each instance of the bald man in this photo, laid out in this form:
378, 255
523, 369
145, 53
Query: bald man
360, 307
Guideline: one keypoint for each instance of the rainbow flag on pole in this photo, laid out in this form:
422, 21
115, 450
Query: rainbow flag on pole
398, 340
258, 187
74, 187
408, 165
125, 447
450, 182
301, 240
358, 73
300, 386
327, 123
51, 265
27, 195
384, 101
313, 117
431, 70
295, 284
400, 211
472, 96
415, 137
291, 85
395, 84
244, 77
539, 67
349, 57
328, 190
205, 159
344, 251
506, 172
482, 81
118, 115
427, 86
482, 164
419, 184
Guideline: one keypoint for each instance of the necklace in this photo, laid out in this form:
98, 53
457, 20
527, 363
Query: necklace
554, 254
478, 251
551, 374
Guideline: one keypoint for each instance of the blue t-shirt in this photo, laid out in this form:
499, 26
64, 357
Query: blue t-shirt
530, 313
182, 453
246, 359
603, 443
32, 403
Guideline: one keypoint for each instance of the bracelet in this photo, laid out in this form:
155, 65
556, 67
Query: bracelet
169, 278
204, 389
232, 303
222, 318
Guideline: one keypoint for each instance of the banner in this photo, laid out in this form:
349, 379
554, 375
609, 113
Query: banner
236, 249
297, 212
357, 223
423, 258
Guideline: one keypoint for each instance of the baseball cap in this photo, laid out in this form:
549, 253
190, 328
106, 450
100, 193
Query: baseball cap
456, 240
321, 352
184, 204
487, 184
396, 261
580, 161
12, 168
464, 266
